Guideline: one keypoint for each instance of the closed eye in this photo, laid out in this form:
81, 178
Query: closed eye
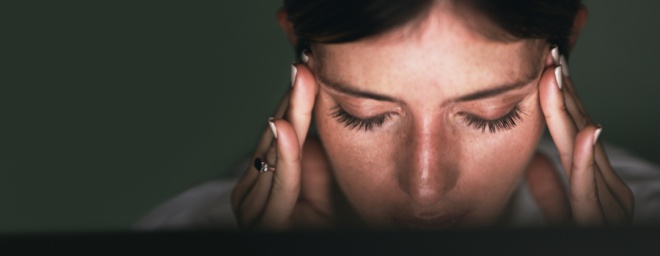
506, 122
353, 122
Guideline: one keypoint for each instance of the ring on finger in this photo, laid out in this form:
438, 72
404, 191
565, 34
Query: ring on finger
262, 166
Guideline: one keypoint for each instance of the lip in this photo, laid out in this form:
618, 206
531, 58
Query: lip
429, 221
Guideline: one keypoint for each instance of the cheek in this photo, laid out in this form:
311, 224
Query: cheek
367, 165
492, 163
513, 147
358, 159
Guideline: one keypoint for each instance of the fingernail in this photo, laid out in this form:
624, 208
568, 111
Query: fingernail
272, 126
303, 57
555, 54
294, 71
597, 133
564, 65
559, 77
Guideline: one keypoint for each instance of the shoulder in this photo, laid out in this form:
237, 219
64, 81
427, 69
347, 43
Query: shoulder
207, 205
641, 176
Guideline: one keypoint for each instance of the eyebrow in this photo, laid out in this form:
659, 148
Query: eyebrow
478, 95
352, 91
488, 93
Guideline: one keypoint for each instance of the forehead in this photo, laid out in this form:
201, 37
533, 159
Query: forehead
438, 53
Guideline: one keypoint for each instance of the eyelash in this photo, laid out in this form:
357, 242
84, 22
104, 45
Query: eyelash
506, 122
353, 122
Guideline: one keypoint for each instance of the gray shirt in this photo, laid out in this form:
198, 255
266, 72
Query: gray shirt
208, 205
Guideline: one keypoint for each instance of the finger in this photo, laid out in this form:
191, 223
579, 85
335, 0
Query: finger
249, 177
286, 179
559, 121
619, 190
301, 103
570, 86
614, 207
257, 195
546, 187
613, 210
267, 136
584, 194
572, 105
313, 209
619, 193
316, 177
252, 206
579, 107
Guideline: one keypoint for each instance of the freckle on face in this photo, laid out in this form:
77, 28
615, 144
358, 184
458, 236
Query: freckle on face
425, 160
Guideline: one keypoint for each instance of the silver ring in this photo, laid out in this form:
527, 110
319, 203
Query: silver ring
262, 166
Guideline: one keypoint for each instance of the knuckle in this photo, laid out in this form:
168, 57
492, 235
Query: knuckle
289, 159
592, 194
555, 111
280, 185
583, 197
561, 108
277, 183
582, 122
582, 117
569, 156
587, 194
581, 164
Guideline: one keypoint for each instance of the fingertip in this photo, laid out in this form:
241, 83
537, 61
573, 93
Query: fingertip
286, 177
303, 57
564, 65
550, 89
294, 72
305, 79
599, 129
585, 200
590, 133
555, 54
302, 100
305, 89
584, 143
559, 77
273, 128
287, 141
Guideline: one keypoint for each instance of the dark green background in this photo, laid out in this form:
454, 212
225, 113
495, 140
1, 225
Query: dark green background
110, 108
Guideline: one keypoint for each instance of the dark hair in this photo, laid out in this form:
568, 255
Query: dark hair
337, 21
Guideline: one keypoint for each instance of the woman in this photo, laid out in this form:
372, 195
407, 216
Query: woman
428, 115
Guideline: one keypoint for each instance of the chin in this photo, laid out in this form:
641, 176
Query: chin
470, 218
431, 223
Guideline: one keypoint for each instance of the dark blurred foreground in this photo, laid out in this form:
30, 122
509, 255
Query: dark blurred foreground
628, 241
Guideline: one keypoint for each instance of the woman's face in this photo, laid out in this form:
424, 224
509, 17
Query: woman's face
418, 123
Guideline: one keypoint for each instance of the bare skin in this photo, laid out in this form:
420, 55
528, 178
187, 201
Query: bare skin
436, 158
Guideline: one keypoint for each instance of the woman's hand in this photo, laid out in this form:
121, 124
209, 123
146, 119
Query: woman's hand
287, 197
597, 195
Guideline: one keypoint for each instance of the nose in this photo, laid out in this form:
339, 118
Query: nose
428, 170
